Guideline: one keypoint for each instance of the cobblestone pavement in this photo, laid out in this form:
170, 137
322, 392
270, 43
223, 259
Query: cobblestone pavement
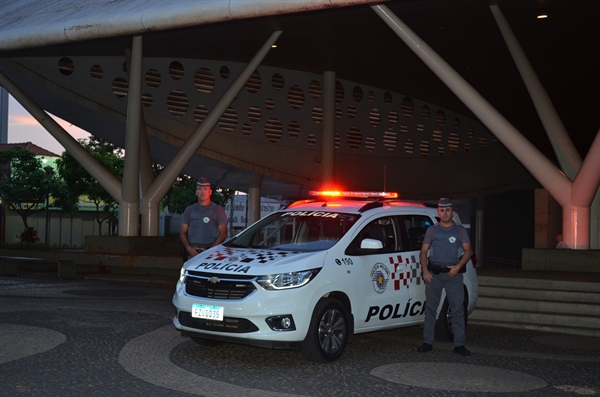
109, 338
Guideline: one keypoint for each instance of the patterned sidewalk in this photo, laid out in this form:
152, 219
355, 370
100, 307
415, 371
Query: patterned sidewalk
109, 338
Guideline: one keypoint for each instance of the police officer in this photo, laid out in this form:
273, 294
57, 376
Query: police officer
203, 224
449, 251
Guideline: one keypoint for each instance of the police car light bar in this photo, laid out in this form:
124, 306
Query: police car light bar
337, 193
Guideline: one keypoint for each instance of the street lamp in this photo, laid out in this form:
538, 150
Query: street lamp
48, 170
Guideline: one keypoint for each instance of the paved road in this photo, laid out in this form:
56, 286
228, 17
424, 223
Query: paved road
111, 338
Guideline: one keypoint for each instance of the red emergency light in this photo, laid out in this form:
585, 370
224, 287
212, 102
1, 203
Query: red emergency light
351, 194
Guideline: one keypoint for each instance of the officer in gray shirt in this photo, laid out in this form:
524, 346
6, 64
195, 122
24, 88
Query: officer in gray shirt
203, 224
449, 250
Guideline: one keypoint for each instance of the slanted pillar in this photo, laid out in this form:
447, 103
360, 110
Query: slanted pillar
564, 149
105, 178
164, 181
575, 198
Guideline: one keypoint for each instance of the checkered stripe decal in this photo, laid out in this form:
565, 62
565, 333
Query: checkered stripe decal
221, 254
247, 255
405, 276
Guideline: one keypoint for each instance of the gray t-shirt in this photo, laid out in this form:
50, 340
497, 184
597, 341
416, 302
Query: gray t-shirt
203, 223
446, 243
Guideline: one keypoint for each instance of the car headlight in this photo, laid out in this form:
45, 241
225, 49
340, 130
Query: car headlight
287, 280
182, 275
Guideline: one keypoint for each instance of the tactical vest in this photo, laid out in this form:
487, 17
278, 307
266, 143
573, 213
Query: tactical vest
446, 246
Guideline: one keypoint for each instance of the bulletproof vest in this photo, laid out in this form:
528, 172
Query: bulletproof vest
446, 246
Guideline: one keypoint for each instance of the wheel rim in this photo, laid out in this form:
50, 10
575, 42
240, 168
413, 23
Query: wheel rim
332, 331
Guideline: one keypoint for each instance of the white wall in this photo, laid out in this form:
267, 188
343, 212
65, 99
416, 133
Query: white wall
64, 229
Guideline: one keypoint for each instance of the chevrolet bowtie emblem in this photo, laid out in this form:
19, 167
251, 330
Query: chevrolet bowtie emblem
214, 280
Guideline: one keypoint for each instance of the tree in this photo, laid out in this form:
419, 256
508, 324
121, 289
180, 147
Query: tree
183, 193
83, 184
24, 185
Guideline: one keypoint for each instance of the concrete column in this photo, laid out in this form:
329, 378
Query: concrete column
595, 222
129, 206
146, 171
150, 215
328, 128
254, 199
479, 217
548, 219
576, 226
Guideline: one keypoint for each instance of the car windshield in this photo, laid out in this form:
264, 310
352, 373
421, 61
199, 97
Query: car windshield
296, 231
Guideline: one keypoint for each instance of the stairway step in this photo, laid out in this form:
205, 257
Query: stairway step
540, 319
536, 327
551, 305
529, 283
518, 304
538, 294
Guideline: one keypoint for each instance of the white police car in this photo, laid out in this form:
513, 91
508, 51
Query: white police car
312, 275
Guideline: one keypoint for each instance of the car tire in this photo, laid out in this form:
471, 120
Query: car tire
206, 342
328, 332
443, 325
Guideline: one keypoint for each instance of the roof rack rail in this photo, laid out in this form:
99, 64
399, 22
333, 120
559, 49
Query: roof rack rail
370, 206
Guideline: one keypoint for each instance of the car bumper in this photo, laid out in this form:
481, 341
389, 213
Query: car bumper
245, 320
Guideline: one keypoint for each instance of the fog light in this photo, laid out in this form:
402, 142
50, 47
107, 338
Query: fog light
281, 323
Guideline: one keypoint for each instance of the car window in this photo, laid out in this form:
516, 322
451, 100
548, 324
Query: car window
296, 231
413, 229
382, 229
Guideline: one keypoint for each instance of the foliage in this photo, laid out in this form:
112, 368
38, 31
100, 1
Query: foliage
81, 183
29, 236
222, 195
24, 185
35, 247
183, 193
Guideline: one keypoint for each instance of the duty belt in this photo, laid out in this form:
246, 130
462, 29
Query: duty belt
443, 268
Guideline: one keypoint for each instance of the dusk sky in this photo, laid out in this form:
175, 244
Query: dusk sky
22, 127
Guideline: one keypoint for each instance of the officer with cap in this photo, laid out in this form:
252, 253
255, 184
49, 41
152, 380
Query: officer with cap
449, 250
203, 224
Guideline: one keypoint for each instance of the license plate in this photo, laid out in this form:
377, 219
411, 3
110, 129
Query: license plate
207, 312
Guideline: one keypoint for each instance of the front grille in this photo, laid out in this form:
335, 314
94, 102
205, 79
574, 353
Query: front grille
204, 287
229, 324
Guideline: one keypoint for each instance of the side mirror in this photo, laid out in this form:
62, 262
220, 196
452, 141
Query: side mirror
371, 244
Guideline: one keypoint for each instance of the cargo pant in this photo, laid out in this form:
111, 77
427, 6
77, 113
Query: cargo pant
456, 295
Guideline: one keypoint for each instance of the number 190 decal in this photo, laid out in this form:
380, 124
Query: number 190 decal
344, 261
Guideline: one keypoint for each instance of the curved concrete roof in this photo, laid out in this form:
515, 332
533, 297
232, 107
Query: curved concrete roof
331, 35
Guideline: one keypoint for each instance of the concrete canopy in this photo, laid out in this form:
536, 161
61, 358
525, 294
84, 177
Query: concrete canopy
351, 41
